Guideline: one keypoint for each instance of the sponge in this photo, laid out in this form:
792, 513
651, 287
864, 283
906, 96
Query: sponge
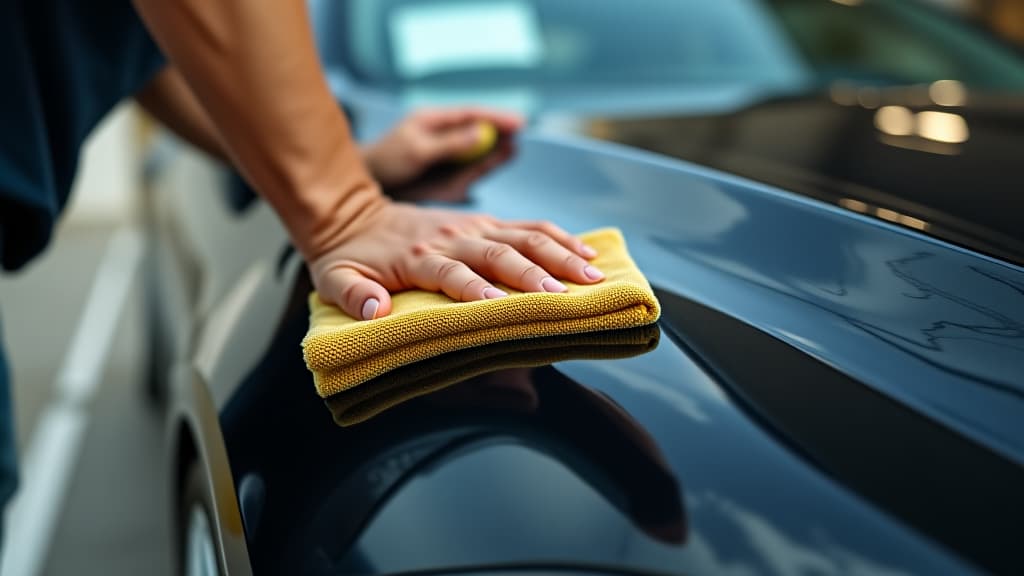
486, 141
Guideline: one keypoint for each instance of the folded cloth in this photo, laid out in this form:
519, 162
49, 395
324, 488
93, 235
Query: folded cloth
360, 403
343, 352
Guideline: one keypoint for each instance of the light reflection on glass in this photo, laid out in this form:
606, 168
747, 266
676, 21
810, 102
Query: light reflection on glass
948, 93
895, 120
942, 127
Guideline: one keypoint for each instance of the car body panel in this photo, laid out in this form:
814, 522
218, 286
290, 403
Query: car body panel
466, 476
859, 297
927, 322
838, 151
837, 387
194, 434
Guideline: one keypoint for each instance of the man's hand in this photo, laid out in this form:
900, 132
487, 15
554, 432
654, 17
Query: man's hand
253, 68
427, 137
453, 186
402, 246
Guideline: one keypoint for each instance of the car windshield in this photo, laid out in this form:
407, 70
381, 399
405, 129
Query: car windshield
467, 43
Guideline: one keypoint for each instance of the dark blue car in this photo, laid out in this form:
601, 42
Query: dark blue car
826, 197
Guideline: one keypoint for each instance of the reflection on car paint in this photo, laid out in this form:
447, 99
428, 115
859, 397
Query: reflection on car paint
790, 265
365, 401
890, 455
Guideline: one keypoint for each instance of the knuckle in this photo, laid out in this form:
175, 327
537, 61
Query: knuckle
496, 252
449, 230
419, 151
430, 266
473, 289
536, 239
533, 270
420, 249
547, 226
350, 297
448, 268
484, 220
574, 261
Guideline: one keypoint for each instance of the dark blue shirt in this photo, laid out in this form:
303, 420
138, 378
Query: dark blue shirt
63, 65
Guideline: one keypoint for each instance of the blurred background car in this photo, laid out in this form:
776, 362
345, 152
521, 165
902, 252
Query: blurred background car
822, 192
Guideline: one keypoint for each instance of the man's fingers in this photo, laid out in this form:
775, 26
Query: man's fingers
357, 295
466, 256
440, 273
505, 264
548, 253
559, 235
441, 118
450, 143
505, 122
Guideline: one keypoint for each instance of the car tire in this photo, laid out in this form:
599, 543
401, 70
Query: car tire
198, 551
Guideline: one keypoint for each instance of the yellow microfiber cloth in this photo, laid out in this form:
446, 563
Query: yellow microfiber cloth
363, 402
343, 352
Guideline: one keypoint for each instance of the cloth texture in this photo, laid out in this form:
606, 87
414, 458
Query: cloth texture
343, 352
360, 403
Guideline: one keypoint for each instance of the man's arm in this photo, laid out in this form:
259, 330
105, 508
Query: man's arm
419, 141
254, 69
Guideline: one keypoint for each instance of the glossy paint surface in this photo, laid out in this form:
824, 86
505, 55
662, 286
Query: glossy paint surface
644, 464
838, 387
868, 160
925, 322
512, 469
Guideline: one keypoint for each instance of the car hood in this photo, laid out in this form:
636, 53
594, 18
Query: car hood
811, 359
948, 171
890, 153
923, 321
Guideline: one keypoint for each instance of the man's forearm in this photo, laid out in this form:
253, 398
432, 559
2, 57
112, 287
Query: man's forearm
255, 69
168, 99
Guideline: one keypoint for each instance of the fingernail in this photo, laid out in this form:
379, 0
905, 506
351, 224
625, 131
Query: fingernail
370, 308
588, 251
549, 284
592, 273
492, 292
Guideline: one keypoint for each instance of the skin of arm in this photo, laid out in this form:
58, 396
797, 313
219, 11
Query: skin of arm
420, 140
254, 71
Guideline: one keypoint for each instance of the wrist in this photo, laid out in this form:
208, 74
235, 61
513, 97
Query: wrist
334, 216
